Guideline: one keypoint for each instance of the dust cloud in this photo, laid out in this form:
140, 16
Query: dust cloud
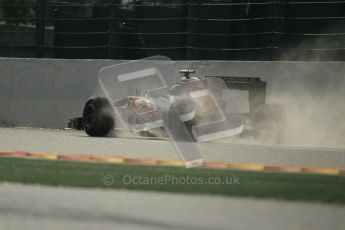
313, 99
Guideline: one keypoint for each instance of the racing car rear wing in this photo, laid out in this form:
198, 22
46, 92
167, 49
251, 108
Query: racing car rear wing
254, 85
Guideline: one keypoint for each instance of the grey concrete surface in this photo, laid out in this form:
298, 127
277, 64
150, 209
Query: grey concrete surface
44, 93
77, 142
41, 207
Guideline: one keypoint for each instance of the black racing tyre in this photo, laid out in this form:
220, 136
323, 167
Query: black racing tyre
98, 117
186, 107
189, 126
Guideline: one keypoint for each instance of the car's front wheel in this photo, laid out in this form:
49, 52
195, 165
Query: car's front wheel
98, 117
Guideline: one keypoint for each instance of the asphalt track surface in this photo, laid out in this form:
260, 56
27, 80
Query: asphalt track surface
129, 145
44, 207
41, 207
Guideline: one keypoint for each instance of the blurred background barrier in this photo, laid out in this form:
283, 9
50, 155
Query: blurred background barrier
180, 29
46, 92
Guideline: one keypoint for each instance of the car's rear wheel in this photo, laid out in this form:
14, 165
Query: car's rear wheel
98, 117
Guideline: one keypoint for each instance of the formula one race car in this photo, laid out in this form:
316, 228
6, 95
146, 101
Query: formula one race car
143, 95
189, 103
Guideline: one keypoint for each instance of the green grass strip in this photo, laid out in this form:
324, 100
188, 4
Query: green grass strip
309, 187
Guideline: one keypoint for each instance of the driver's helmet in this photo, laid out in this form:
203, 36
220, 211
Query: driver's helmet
142, 105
